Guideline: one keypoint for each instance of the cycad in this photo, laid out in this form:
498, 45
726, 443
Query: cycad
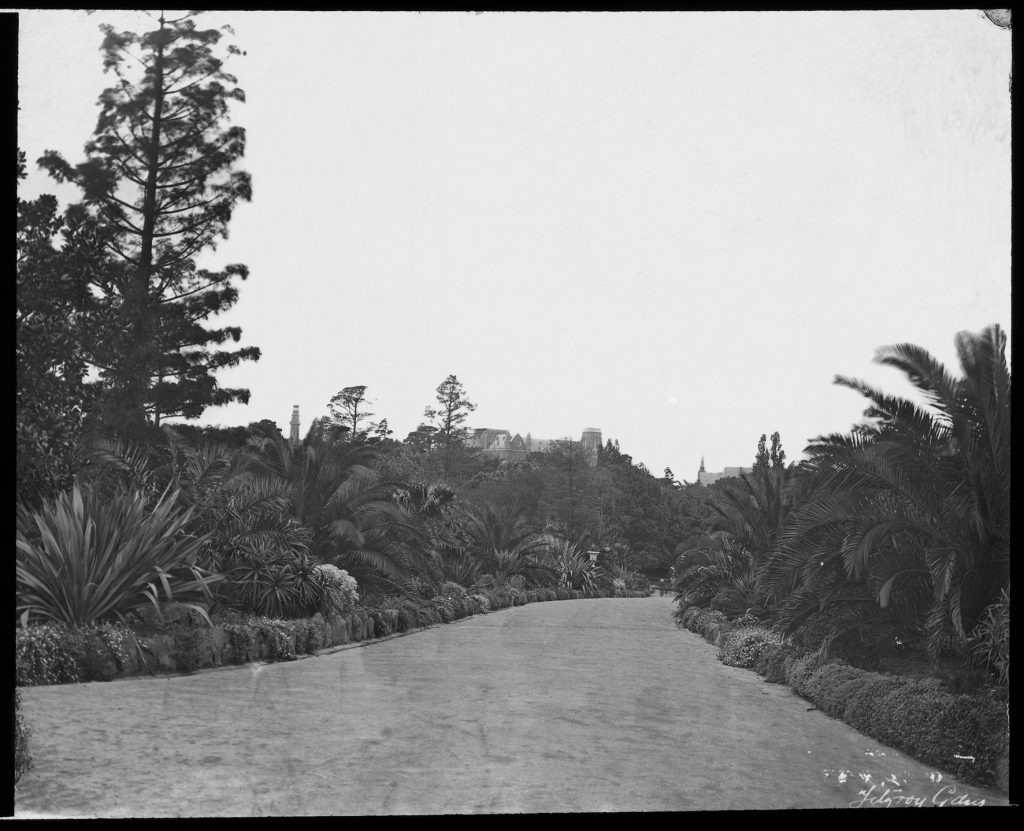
502, 528
355, 518
914, 504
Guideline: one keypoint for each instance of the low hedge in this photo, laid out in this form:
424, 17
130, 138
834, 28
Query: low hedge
742, 647
771, 661
966, 735
51, 654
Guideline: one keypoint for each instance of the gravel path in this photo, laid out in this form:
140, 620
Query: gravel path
585, 705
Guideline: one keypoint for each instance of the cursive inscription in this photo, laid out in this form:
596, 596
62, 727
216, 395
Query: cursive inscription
946, 796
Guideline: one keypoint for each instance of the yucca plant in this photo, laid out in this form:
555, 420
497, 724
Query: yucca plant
83, 557
573, 567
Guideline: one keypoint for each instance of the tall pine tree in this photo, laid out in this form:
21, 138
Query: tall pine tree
448, 418
160, 177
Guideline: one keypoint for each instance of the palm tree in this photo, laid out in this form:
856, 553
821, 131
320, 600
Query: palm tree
913, 507
503, 528
358, 521
718, 572
502, 540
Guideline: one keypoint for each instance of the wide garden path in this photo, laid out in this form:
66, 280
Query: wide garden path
584, 705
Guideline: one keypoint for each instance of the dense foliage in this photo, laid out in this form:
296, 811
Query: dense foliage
159, 184
889, 541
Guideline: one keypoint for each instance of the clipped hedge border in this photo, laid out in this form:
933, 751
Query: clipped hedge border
50, 654
967, 735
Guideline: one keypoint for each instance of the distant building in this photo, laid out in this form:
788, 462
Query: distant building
516, 448
293, 438
705, 477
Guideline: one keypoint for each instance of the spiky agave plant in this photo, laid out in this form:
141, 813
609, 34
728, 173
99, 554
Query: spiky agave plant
84, 557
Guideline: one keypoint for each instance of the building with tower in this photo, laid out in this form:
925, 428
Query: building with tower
705, 477
512, 448
293, 437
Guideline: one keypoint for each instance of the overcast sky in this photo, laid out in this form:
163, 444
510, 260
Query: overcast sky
674, 227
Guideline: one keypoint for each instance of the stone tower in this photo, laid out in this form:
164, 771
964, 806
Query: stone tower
293, 439
591, 442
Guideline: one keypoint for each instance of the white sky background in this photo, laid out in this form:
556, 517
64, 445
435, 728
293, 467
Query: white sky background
674, 227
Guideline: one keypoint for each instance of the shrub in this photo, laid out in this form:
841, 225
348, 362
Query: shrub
428, 615
832, 686
686, 614
120, 640
406, 618
799, 671
343, 591
516, 581
451, 589
278, 635
711, 617
281, 584
745, 620
94, 558
52, 654
244, 641
964, 734
43, 656
445, 609
482, 604
309, 636
865, 712
22, 735
974, 733
192, 648
768, 659
562, 593
742, 646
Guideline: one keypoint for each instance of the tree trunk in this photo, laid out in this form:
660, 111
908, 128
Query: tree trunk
138, 300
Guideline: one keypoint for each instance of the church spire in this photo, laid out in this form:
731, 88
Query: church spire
293, 439
701, 464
